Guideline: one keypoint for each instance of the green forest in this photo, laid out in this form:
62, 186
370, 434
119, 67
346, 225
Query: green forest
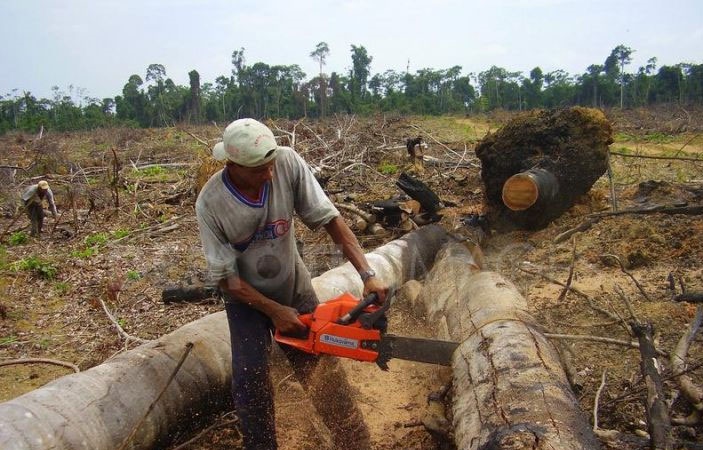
267, 91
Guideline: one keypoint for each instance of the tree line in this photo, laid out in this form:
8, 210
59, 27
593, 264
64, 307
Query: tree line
265, 91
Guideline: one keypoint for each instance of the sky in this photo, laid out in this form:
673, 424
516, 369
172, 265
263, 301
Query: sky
96, 45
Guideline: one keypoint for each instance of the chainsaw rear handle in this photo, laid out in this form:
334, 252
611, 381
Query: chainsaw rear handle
303, 334
300, 334
354, 313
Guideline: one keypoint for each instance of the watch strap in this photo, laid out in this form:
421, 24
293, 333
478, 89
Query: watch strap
366, 274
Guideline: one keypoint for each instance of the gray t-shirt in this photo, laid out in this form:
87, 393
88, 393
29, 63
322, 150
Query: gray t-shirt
255, 240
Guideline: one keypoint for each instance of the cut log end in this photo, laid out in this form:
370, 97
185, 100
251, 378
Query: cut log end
520, 192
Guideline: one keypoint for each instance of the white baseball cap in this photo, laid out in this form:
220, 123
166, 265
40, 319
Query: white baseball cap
43, 184
246, 142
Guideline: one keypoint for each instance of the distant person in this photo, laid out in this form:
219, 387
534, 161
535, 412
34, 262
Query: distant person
33, 199
416, 147
245, 215
412, 145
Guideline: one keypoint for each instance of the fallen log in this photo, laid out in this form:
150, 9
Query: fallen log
98, 408
419, 191
509, 388
658, 422
690, 297
690, 390
177, 294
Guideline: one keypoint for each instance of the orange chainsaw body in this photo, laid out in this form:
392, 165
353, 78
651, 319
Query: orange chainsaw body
327, 336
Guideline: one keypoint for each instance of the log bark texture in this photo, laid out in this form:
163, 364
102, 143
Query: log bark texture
98, 408
658, 422
178, 294
509, 388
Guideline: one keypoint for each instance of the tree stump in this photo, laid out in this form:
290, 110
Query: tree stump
540, 163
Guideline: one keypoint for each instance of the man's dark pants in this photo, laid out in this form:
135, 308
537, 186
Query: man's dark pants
35, 212
250, 334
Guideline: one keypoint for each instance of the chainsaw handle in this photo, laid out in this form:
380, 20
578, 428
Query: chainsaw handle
354, 313
301, 334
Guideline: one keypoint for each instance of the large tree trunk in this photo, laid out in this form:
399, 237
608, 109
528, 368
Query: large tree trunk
97, 409
509, 389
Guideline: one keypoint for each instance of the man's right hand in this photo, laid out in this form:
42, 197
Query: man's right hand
286, 321
284, 318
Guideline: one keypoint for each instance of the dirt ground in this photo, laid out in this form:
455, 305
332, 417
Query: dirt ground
125, 255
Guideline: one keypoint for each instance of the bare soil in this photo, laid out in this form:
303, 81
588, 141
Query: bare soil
51, 287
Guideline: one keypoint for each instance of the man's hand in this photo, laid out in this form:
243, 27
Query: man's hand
373, 284
286, 321
284, 318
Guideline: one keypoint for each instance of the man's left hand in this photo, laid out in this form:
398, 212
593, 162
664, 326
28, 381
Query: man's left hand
374, 284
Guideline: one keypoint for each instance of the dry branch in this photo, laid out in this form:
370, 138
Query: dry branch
570, 278
690, 297
607, 435
605, 340
162, 227
672, 158
218, 424
658, 421
126, 336
425, 133
657, 209
690, 390
200, 140
290, 134
632, 277
55, 362
368, 217
597, 400
575, 290
613, 196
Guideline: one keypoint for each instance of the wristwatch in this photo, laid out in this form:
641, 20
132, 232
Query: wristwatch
365, 275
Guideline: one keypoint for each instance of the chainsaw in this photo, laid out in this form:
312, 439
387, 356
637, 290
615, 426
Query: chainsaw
351, 328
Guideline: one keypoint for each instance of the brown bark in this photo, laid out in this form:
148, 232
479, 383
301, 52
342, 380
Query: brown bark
692, 391
510, 390
178, 294
658, 422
